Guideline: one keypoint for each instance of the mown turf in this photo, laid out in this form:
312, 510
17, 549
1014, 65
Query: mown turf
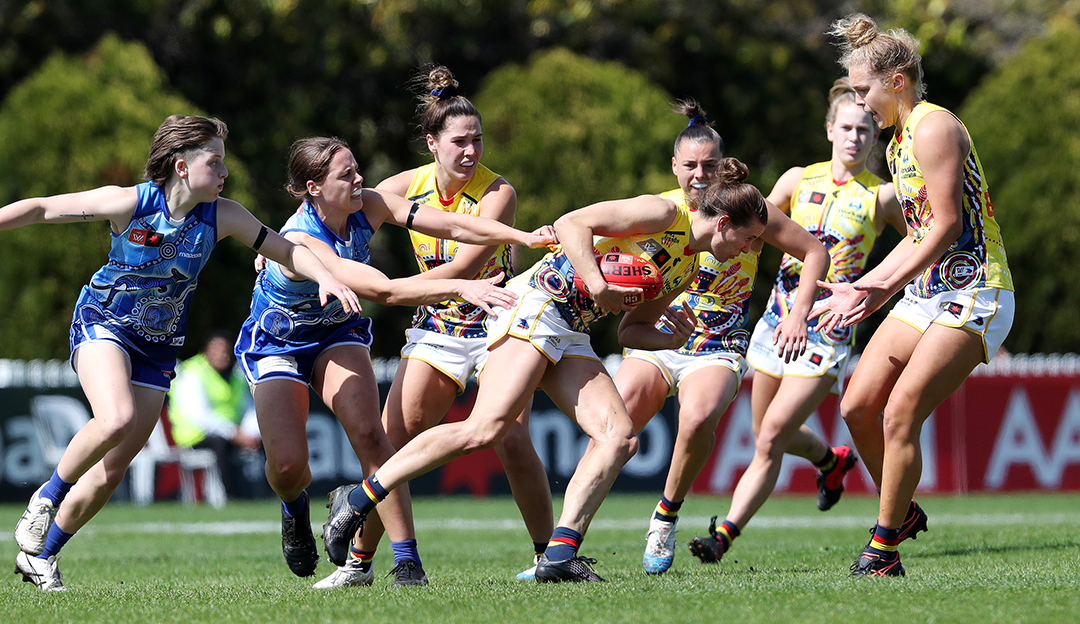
987, 559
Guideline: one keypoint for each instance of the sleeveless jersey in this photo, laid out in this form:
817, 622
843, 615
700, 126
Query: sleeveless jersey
720, 295
977, 258
554, 275
456, 317
841, 216
289, 310
143, 292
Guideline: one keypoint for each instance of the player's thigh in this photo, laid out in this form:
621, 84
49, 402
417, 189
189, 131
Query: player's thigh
104, 371
419, 398
940, 363
704, 396
880, 365
148, 404
583, 390
796, 399
763, 390
643, 389
511, 375
345, 380
281, 407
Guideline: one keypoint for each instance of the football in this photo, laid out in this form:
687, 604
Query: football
625, 269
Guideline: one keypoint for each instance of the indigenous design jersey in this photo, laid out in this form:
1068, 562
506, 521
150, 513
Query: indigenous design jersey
289, 310
842, 217
720, 295
554, 275
456, 317
977, 258
143, 292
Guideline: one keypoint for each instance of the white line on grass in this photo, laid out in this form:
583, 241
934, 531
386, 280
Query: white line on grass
515, 524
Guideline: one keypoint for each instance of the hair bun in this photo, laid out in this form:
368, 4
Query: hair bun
731, 171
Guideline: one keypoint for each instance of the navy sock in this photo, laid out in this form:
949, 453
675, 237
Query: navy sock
297, 507
828, 462
368, 494
667, 511
563, 545
56, 489
539, 547
884, 542
405, 550
54, 541
364, 556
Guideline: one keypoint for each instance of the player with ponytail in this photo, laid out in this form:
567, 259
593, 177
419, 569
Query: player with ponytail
706, 369
957, 306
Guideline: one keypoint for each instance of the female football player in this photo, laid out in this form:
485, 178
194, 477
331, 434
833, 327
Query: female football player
447, 342
957, 305
130, 321
846, 207
290, 341
706, 369
542, 342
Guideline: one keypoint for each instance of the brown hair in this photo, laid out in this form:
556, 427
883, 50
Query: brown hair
727, 194
884, 53
179, 135
440, 100
309, 159
700, 129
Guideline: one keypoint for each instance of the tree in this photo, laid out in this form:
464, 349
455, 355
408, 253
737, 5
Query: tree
77, 123
1020, 119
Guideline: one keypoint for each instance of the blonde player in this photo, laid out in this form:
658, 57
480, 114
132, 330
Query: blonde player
957, 305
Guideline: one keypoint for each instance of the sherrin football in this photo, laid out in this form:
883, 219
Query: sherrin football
628, 270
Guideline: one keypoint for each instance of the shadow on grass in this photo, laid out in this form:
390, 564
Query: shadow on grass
984, 549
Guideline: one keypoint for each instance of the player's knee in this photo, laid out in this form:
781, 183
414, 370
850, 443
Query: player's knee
286, 472
116, 430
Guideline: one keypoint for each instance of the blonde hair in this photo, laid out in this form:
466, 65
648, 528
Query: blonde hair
884, 53
842, 93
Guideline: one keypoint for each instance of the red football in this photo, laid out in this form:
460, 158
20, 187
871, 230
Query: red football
628, 270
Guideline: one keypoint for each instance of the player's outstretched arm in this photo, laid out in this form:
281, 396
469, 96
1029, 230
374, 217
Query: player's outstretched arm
112, 203
387, 207
234, 220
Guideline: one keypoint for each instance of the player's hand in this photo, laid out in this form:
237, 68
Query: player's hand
845, 300
542, 237
790, 338
486, 293
615, 298
329, 286
681, 322
260, 263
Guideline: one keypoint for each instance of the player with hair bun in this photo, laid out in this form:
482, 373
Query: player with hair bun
288, 342
705, 369
543, 342
130, 321
846, 207
447, 342
957, 306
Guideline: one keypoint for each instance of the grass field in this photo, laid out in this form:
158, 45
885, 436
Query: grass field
1003, 558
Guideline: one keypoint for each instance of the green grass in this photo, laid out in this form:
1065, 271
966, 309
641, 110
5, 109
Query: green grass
1002, 558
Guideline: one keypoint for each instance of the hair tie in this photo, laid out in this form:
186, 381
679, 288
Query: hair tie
445, 93
698, 121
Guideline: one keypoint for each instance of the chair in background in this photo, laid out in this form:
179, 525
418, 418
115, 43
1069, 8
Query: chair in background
159, 450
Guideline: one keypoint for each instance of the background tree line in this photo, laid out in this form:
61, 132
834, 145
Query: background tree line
575, 96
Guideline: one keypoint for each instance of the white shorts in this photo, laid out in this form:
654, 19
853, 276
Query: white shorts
986, 312
534, 318
820, 359
457, 358
675, 366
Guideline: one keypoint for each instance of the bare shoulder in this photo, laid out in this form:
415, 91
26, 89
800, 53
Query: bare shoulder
398, 184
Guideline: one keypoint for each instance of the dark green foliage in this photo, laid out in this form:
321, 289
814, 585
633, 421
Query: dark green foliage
78, 123
1021, 119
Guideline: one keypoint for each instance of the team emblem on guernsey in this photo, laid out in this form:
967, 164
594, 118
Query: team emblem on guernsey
960, 270
817, 197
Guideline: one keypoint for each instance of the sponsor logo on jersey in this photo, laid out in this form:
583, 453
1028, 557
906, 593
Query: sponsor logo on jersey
146, 238
649, 246
817, 197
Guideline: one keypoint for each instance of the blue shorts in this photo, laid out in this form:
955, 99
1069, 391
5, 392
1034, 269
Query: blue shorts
152, 372
262, 356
